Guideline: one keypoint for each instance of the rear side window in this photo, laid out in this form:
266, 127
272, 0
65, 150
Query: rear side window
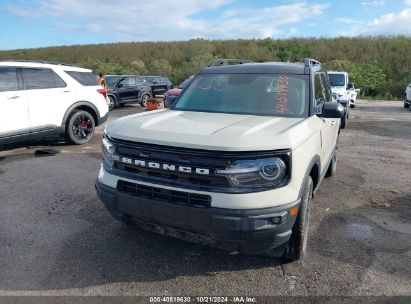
129, 82
84, 78
41, 79
8, 80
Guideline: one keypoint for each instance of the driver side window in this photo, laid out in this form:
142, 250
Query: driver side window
319, 94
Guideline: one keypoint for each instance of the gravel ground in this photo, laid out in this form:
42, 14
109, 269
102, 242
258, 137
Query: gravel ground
57, 239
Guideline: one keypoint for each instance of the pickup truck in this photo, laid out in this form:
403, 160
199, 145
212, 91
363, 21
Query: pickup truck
233, 163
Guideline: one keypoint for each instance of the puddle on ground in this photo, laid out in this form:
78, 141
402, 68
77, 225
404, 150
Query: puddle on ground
359, 231
45, 152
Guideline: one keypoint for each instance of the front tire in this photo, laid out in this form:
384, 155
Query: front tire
406, 105
112, 103
296, 248
80, 127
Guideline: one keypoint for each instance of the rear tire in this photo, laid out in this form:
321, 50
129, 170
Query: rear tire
332, 168
296, 248
144, 100
80, 127
344, 121
406, 105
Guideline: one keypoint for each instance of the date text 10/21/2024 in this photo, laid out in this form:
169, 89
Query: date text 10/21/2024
200, 299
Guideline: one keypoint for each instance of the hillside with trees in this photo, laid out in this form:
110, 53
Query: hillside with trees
380, 66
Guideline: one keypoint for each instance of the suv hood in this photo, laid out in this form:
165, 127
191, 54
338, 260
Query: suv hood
212, 131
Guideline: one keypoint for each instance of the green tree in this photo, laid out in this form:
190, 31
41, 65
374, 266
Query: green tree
160, 67
138, 67
371, 79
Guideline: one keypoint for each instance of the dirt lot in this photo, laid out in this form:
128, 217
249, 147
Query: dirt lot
57, 239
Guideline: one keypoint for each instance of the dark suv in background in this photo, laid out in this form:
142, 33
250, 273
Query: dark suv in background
123, 89
159, 84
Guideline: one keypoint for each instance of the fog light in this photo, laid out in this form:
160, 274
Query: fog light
276, 220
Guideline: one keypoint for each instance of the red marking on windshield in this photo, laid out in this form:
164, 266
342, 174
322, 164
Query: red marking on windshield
281, 95
195, 83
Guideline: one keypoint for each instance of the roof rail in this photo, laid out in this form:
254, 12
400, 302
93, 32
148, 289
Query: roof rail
38, 61
222, 62
310, 62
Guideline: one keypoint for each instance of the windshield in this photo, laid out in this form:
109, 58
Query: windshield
112, 80
255, 94
185, 82
337, 80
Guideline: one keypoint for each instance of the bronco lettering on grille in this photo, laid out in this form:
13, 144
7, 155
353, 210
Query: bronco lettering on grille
163, 166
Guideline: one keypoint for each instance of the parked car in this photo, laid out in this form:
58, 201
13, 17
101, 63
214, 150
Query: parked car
339, 84
40, 100
407, 97
233, 163
123, 89
354, 92
159, 84
171, 94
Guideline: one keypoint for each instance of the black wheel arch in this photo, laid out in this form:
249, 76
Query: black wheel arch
82, 105
146, 93
313, 170
112, 95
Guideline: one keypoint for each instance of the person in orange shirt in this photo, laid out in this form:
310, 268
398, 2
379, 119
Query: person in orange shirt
101, 81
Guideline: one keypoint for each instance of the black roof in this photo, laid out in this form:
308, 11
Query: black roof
297, 68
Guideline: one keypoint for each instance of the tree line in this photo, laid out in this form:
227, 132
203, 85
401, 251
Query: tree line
380, 66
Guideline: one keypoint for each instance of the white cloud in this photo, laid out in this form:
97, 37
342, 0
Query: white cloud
346, 20
373, 3
407, 2
171, 19
389, 24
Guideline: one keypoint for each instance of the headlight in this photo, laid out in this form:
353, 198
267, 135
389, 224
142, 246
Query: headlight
256, 173
107, 146
109, 151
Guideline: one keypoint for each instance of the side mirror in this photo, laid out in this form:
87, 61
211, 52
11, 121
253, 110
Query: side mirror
332, 110
335, 96
120, 85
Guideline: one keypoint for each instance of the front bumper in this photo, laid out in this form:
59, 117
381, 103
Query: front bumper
249, 231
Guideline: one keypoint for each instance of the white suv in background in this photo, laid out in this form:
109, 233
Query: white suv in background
41, 100
407, 98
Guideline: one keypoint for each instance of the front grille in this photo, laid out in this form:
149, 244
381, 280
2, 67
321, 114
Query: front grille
165, 195
178, 156
175, 177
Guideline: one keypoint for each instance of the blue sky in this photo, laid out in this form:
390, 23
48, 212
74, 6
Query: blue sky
42, 23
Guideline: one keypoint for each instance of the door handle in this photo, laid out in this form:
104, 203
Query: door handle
333, 123
13, 97
65, 92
